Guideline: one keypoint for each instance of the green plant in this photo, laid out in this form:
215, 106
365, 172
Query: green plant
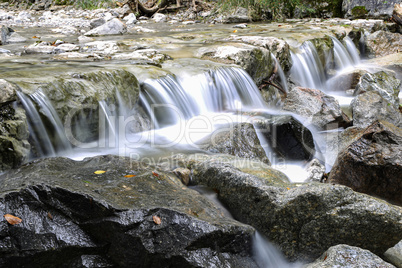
359, 11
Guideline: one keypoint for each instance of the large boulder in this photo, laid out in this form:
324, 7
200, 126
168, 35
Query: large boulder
257, 61
9, 36
382, 43
303, 221
368, 8
278, 47
239, 140
239, 15
371, 106
286, 137
319, 109
382, 82
348, 256
373, 163
115, 212
112, 27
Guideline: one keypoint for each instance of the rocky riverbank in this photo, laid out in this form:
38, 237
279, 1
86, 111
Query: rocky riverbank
85, 67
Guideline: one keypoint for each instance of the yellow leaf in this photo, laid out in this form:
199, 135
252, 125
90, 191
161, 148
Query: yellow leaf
288, 188
157, 220
12, 219
129, 176
235, 31
99, 172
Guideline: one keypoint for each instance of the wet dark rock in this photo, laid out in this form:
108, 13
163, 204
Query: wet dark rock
321, 110
368, 8
287, 137
371, 106
382, 82
382, 43
69, 215
256, 61
14, 146
348, 256
239, 140
394, 255
373, 163
302, 221
113, 27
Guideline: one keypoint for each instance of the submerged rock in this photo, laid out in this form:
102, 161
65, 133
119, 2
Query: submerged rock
302, 221
371, 106
321, 110
148, 219
348, 256
373, 163
239, 140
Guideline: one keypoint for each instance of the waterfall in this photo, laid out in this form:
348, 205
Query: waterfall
342, 57
352, 50
281, 74
169, 100
307, 68
37, 129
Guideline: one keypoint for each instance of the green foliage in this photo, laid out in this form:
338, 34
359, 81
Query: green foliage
359, 11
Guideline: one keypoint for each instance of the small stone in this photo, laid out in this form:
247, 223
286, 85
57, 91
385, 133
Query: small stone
183, 174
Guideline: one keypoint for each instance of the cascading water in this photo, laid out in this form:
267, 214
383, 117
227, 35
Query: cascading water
342, 57
353, 52
307, 68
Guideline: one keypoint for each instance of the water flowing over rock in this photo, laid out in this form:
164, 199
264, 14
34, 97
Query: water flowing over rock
347, 256
240, 140
373, 163
394, 255
382, 43
369, 8
112, 27
148, 219
321, 110
371, 106
256, 61
384, 83
345, 81
287, 137
302, 221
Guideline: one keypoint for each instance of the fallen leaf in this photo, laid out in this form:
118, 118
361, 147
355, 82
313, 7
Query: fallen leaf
12, 219
155, 174
235, 31
99, 172
288, 188
129, 176
49, 216
36, 37
325, 257
157, 220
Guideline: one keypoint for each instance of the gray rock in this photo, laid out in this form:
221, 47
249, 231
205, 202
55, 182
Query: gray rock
112, 27
382, 82
394, 255
257, 61
345, 80
315, 171
372, 8
130, 19
319, 109
76, 213
7, 91
302, 221
239, 140
239, 16
96, 23
382, 43
370, 106
372, 164
159, 17
348, 256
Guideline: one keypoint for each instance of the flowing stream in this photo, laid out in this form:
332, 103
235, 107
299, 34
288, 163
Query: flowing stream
183, 108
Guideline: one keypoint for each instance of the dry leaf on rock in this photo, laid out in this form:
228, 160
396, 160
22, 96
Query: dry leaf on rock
12, 219
99, 172
157, 220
